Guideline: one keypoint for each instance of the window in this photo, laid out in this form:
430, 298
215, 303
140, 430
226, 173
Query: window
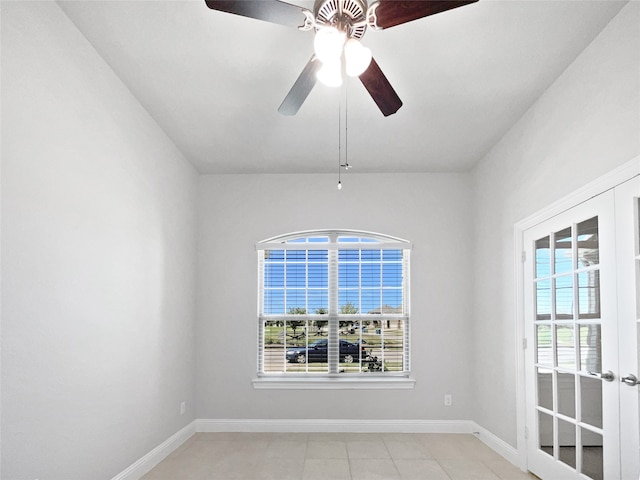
333, 304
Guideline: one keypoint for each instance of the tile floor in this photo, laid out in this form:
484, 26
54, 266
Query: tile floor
334, 456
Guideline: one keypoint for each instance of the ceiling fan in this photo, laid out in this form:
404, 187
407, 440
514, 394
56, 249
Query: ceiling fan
339, 25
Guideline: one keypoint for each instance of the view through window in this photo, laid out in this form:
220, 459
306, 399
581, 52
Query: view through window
333, 302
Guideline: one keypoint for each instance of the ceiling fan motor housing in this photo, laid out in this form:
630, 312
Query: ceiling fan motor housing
348, 16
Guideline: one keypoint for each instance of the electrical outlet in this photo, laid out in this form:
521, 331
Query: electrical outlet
448, 400
183, 408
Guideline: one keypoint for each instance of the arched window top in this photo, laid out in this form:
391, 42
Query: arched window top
343, 239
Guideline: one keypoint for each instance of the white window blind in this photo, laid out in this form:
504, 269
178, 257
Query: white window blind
333, 303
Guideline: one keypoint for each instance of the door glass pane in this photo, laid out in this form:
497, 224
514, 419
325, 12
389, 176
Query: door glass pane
565, 350
545, 433
567, 442
589, 294
564, 297
567, 394
591, 400
543, 300
545, 388
590, 348
592, 458
543, 262
588, 249
562, 246
543, 342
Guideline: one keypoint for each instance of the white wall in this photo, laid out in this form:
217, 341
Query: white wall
98, 272
584, 125
98, 266
236, 211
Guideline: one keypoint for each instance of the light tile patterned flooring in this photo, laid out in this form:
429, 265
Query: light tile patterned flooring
334, 456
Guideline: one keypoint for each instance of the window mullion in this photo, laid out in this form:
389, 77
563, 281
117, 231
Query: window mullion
306, 284
381, 288
360, 281
284, 283
332, 352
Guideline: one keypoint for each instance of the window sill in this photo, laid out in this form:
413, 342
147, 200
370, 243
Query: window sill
334, 383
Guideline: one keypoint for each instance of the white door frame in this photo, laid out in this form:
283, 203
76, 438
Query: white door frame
626, 243
606, 182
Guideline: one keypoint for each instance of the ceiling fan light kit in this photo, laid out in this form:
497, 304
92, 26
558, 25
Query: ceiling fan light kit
339, 25
328, 44
330, 73
357, 57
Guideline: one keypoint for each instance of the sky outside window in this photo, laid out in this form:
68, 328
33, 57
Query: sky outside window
369, 280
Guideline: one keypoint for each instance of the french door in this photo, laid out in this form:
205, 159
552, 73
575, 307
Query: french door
581, 321
628, 267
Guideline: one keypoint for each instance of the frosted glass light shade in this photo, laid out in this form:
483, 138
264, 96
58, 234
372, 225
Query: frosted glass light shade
357, 57
328, 43
331, 73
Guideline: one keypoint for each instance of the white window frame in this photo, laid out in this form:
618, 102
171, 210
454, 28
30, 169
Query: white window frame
333, 379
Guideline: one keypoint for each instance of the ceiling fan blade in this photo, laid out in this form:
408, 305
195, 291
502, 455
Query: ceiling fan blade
390, 13
301, 89
272, 11
380, 89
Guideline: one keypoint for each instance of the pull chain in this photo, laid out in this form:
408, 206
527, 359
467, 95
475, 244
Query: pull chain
339, 142
346, 128
345, 165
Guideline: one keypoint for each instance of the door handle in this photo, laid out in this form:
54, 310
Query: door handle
607, 376
630, 380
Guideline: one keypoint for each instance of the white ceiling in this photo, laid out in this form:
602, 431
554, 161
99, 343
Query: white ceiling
213, 81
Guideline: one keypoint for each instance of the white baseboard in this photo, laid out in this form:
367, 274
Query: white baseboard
136, 470
155, 456
497, 444
336, 425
